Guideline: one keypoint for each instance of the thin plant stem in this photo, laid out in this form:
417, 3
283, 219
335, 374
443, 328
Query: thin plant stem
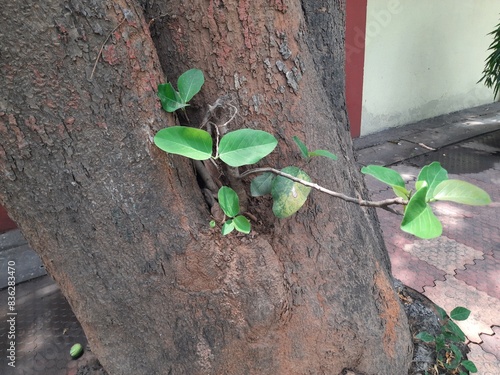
380, 204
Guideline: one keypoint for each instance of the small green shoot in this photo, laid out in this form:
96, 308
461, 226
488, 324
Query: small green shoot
448, 355
189, 84
309, 154
230, 204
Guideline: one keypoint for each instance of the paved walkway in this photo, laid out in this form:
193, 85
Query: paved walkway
460, 268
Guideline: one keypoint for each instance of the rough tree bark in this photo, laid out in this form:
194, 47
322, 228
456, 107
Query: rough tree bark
123, 227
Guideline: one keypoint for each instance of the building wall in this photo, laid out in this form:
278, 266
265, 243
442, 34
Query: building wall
423, 59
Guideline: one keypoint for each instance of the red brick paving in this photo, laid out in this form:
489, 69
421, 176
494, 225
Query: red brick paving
462, 268
484, 275
491, 343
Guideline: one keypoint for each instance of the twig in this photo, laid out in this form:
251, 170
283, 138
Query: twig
102, 47
381, 204
426, 147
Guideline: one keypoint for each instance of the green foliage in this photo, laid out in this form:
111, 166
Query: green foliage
237, 148
460, 313
461, 192
289, 196
181, 140
431, 175
448, 355
249, 146
245, 146
419, 219
189, 84
389, 177
309, 154
262, 185
491, 72
229, 201
432, 185
230, 204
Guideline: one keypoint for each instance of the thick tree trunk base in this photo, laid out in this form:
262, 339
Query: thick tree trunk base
422, 316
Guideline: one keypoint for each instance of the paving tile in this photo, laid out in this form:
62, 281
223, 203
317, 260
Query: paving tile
484, 275
46, 328
443, 253
12, 238
414, 272
28, 264
480, 236
484, 309
491, 343
389, 152
486, 363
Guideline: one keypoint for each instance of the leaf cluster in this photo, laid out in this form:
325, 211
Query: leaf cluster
448, 355
432, 185
491, 72
230, 204
188, 84
290, 186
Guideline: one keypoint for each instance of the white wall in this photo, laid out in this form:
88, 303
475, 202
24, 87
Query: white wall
423, 59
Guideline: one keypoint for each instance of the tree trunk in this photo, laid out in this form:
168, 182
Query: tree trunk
123, 227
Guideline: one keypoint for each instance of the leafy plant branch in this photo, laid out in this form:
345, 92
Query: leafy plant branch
290, 186
361, 202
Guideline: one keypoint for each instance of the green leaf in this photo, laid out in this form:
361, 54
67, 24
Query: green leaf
228, 227
419, 219
189, 84
302, 147
425, 337
452, 327
457, 354
229, 201
325, 153
289, 196
181, 140
245, 146
440, 343
242, 224
170, 99
386, 175
212, 224
450, 336
459, 313
469, 366
433, 174
442, 312
261, 185
461, 192
401, 192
